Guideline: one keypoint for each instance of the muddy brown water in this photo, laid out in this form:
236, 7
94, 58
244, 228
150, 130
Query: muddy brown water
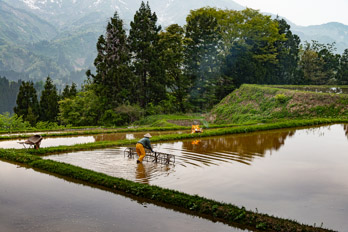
299, 174
35, 202
72, 140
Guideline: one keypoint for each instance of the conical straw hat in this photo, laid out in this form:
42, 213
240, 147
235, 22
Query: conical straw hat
148, 135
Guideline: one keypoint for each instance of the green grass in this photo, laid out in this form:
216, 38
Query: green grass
256, 103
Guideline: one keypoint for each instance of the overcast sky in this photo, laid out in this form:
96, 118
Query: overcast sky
303, 12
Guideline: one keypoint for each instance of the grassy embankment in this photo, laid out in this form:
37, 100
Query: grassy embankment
255, 104
148, 124
196, 205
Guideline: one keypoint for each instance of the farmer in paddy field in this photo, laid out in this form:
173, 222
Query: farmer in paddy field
141, 145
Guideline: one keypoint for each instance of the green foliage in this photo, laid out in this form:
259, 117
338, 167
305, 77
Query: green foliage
69, 91
49, 107
203, 62
281, 98
252, 103
10, 123
113, 82
82, 110
27, 103
122, 115
173, 56
150, 83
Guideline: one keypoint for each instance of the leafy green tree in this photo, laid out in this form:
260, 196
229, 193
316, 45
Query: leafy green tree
331, 60
173, 56
12, 122
311, 65
143, 41
286, 70
113, 82
49, 102
27, 103
82, 110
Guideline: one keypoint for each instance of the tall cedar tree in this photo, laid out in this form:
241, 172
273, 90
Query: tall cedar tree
143, 41
27, 103
202, 59
114, 81
172, 55
49, 102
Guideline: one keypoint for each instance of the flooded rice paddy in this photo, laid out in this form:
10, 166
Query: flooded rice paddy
36, 202
299, 174
72, 140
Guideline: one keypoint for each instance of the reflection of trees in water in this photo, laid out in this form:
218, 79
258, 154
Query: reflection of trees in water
345, 126
241, 148
131, 135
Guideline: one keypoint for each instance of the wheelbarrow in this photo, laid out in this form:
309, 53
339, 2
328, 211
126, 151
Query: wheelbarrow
32, 142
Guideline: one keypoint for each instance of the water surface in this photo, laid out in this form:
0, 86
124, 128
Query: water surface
80, 139
299, 174
34, 202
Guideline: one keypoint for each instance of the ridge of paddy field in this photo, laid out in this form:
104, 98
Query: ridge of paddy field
257, 103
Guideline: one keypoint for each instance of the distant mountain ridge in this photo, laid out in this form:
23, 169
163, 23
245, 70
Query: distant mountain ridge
58, 37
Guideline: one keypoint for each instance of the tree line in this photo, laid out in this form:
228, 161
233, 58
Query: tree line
44, 108
148, 70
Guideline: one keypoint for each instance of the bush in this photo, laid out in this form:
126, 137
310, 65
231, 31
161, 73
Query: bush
281, 98
9, 123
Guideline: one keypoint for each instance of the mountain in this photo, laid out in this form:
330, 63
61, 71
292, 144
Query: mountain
58, 37
20, 26
325, 33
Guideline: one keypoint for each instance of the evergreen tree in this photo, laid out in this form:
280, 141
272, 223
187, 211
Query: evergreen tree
143, 40
69, 92
49, 102
203, 62
113, 82
172, 47
27, 103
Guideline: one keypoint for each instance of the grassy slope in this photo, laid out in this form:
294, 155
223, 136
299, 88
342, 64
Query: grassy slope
255, 103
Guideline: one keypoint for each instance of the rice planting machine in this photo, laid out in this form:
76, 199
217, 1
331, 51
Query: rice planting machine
155, 157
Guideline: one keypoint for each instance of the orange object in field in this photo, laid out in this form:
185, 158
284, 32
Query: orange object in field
196, 129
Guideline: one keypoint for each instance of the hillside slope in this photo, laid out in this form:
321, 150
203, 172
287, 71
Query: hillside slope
255, 103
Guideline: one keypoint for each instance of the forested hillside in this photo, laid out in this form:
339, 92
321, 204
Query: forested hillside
8, 94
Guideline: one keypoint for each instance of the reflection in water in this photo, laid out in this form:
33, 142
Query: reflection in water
72, 140
240, 148
36, 202
133, 135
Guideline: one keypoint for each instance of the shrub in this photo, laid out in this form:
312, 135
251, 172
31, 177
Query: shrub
281, 98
